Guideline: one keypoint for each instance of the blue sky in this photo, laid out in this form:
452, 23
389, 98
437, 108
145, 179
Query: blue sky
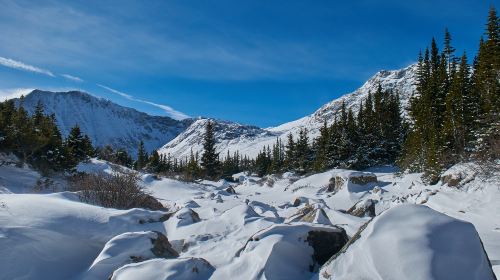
255, 62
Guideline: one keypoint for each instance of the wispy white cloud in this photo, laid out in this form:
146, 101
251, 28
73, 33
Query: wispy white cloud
7, 62
10, 93
72, 78
171, 112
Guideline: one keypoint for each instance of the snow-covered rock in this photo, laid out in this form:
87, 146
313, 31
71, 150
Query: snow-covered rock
412, 242
172, 269
363, 208
127, 248
460, 174
184, 217
288, 251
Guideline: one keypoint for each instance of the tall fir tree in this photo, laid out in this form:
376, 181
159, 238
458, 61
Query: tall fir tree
209, 158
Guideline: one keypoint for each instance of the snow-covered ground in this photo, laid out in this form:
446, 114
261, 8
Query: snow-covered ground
257, 228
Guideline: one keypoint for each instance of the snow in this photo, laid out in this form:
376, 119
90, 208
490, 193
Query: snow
429, 245
178, 269
40, 232
252, 234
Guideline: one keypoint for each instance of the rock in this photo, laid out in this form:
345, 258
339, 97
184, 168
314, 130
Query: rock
363, 208
299, 200
128, 248
326, 244
459, 174
190, 204
335, 184
353, 181
363, 178
296, 202
293, 250
310, 214
411, 242
300, 214
317, 216
230, 190
452, 180
162, 248
186, 216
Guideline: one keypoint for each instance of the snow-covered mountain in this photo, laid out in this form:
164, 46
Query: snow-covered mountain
106, 122
250, 140
228, 134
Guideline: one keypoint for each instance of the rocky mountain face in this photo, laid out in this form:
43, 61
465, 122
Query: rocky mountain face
249, 140
230, 135
106, 122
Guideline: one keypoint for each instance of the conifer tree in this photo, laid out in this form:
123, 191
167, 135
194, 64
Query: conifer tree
142, 157
77, 146
209, 158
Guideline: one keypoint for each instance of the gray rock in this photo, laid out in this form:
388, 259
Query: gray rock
363, 208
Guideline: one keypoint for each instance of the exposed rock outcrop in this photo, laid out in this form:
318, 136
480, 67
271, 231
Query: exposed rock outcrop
363, 208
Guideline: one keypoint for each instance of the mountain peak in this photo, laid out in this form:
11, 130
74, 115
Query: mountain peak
105, 122
249, 140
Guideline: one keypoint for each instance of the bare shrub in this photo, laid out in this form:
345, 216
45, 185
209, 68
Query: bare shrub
120, 191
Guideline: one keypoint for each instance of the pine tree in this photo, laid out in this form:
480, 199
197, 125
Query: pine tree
192, 170
321, 149
142, 157
77, 147
456, 129
210, 158
303, 152
290, 159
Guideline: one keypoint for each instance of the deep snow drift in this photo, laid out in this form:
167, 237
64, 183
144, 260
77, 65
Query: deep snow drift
269, 228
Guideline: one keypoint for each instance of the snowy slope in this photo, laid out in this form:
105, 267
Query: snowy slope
232, 136
257, 233
250, 140
106, 122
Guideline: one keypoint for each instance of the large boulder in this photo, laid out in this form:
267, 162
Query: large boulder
355, 181
363, 208
459, 174
172, 269
362, 178
128, 248
285, 251
411, 242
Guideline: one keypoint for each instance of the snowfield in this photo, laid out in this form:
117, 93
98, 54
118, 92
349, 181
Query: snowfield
277, 227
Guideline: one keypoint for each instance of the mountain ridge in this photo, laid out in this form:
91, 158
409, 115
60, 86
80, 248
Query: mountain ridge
402, 81
105, 122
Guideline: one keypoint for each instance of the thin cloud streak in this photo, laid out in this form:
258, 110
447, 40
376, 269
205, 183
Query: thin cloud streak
72, 78
7, 62
169, 110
